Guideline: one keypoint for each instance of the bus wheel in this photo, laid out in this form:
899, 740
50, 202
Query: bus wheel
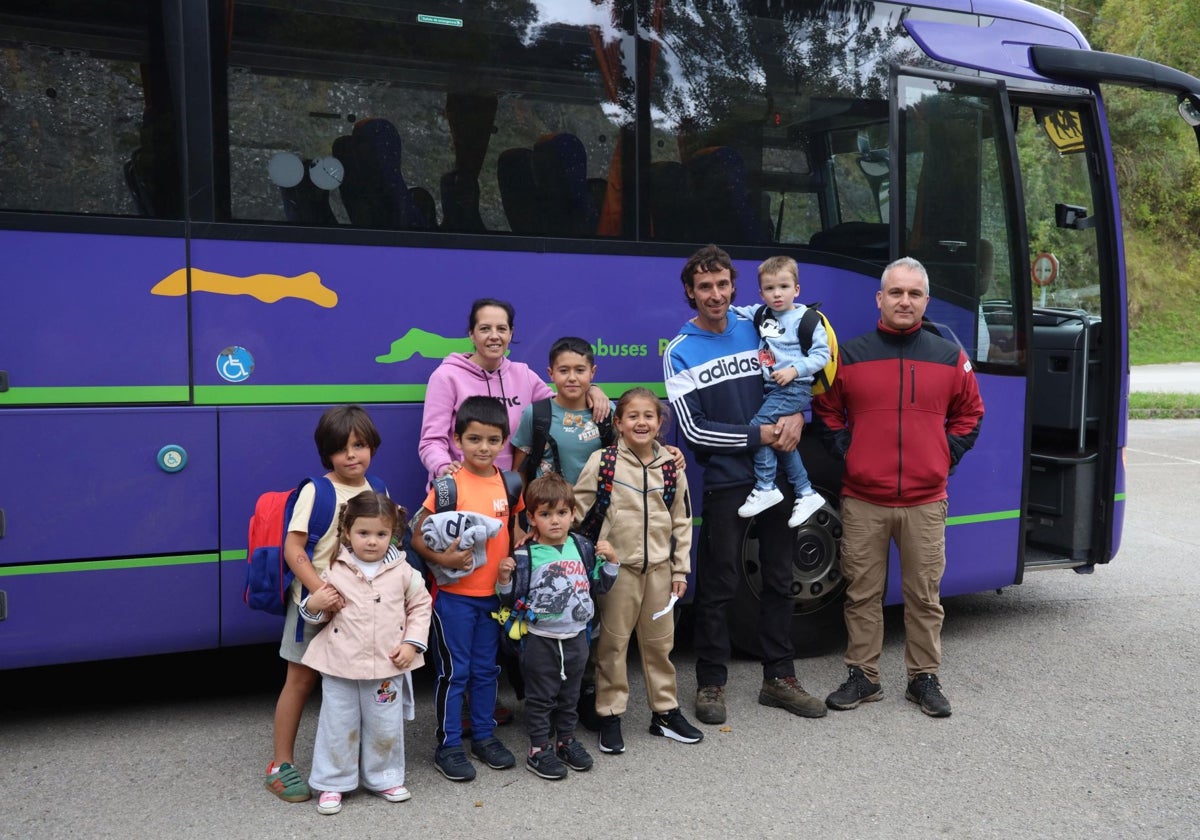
818, 589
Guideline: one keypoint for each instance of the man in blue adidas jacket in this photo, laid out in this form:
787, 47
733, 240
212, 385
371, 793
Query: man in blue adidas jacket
714, 384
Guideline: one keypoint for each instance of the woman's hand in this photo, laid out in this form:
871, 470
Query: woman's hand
450, 469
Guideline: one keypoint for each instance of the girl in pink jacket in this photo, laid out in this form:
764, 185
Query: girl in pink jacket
365, 653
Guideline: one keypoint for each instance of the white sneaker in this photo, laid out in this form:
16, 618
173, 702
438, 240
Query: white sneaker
760, 500
399, 793
805, 507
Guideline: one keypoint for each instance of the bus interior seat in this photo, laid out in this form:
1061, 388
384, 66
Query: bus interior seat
866, 240
722, 203
373, 191
423, 199
138, 189
460, 203
599, 190
306, 203
518, 193
670, 202
560, 173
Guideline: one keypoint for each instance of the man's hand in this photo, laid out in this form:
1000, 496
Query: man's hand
787, 432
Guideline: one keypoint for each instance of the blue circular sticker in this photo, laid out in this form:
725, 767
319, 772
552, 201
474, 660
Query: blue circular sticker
172, 458
235, 364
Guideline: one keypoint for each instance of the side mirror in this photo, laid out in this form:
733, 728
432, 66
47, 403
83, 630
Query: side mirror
1072, 217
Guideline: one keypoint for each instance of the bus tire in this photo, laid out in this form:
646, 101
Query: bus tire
817, 585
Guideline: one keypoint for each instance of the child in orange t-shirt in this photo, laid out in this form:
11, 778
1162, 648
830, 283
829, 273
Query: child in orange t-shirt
464, 630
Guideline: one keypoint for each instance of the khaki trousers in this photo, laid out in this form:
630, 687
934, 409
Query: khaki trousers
920, 534
627, 607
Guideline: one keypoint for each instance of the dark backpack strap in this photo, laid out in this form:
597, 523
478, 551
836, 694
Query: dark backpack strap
807, 326
594, 519
521, 574
445, 494
670, 483
377, 484
760, 315
587, 553
320, 519
537, 444
512, 489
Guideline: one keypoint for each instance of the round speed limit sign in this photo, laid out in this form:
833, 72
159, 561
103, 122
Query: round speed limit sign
1045, 269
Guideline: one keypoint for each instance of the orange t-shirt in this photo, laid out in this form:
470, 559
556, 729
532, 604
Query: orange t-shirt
488, 497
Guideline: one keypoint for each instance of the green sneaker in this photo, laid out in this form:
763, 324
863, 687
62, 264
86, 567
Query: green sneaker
288, 784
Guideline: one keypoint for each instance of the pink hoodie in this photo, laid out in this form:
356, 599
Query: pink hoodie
457, 378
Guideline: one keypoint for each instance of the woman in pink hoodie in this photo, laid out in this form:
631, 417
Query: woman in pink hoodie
486, 372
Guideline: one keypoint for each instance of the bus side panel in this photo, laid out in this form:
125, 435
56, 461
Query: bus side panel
86, 482
271, 448
68, 615
983, 525
85, 312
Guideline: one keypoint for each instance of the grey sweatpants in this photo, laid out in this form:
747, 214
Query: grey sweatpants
360, 734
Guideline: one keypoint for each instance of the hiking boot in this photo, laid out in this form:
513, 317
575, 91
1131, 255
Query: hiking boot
760, 500
675, 726
492, 753
452, 763
610, 735
787, 693
287, 783
543, 762
574, 755
329, 803
856, 689
806, 505
926, 691
586, 707
710, 704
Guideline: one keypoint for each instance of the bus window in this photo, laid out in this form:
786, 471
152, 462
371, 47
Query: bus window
778, 135
89, 123
389, 118
957, 209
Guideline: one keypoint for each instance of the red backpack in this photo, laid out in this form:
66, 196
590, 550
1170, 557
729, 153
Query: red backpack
267, 573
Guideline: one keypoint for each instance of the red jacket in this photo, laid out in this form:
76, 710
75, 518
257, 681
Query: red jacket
902, 411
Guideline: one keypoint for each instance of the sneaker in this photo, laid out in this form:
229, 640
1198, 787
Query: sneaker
787, 693
926, 691
586, 707
543, 762
611, 741
710, 704
675, 726
805, 507
287, 783
492, 753
452, 763
574, 755
330, 802
760, 500
856, 689
399, 793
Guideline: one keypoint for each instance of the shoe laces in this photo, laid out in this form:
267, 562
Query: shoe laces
711, 693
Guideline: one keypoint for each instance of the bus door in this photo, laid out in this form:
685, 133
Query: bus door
955, 206
1077, 320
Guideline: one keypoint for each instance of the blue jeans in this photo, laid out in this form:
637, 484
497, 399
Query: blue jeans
780, 402
467, 637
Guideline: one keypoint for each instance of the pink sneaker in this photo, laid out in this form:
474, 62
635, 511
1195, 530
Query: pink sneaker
330, 802
399, 793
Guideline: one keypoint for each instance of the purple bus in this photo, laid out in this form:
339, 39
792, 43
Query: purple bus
219, 217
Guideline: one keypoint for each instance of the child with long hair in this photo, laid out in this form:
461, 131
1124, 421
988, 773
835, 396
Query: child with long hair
651, 540
365, 653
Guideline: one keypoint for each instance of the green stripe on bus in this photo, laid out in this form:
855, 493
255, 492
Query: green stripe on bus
975, 518
1120, 497
233, 555
96, 394
109, 565
242, 394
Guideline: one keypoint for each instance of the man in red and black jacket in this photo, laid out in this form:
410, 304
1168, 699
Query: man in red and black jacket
904, 408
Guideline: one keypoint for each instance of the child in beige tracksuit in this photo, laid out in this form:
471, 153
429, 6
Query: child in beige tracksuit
652, 543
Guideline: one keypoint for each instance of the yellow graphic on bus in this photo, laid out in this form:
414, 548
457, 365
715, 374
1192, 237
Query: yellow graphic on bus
269, 288
1064, 130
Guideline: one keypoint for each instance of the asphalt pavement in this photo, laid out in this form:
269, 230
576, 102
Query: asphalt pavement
1180, 378
1072, 719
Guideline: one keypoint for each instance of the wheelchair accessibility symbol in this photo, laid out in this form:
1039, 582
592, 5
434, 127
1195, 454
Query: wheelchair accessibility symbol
235, 364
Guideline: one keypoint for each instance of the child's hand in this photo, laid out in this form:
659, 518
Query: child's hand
507, 567
402, 657
456, 558
599, 403
326, 599
678, 588
604, 550
783, 377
